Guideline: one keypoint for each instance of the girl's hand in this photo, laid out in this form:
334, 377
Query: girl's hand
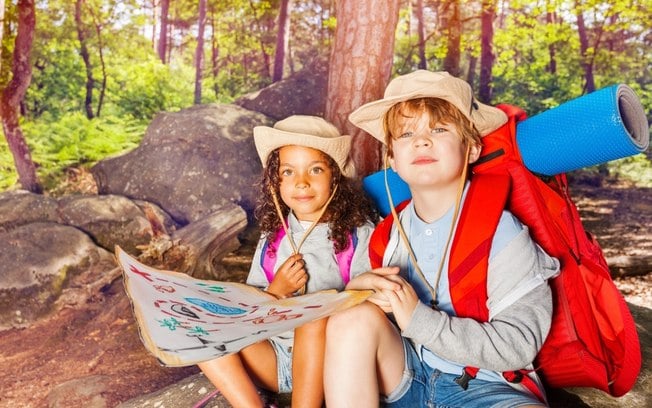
289, 278
402, 301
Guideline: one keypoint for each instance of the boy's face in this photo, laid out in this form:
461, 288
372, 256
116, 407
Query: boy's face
305, 178
428, 156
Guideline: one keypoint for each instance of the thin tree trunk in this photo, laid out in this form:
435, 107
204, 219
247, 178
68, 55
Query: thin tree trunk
281, 40
360, 67
265, 55
470, 75
423, 63
83, 50
154, 25
163, 34
215, 55
2, 27
13, 94
452, 59
552, 63
589, 85
199, 53
100, 44
486, 52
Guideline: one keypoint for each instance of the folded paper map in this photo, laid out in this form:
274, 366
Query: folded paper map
183, 321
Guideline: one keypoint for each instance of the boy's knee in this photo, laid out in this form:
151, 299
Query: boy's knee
359, 318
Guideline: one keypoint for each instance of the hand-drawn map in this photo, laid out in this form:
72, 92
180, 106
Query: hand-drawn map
183, 321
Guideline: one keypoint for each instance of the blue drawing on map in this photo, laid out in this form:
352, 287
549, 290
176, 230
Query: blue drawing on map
216, 308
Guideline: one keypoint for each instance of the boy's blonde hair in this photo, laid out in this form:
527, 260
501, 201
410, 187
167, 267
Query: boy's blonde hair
438, 110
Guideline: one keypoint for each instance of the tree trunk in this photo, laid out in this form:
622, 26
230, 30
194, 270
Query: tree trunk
215, 55
100, 45
2, 27
13, 94
266, 71
281, 40
423, 63
360, 67
199, 53
83, 51
486, 53
452, 59
473, 62
552, 63
163, 34
589, 85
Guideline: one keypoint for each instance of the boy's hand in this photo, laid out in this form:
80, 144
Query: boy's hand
289, 278
377, 280
402, 301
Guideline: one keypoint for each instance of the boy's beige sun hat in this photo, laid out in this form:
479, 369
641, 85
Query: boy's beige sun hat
427, 84
307, 131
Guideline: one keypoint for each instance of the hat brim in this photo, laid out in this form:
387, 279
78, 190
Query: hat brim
370, 117
268, 139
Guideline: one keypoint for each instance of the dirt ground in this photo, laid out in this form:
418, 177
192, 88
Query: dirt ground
96, 349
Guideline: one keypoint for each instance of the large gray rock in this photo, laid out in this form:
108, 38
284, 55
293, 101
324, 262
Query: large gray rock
191, 163
112, 220
41, 262
19, 207
303, 93
108, 220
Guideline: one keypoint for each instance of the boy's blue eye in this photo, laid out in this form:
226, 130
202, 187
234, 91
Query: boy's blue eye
438, 130
405, 135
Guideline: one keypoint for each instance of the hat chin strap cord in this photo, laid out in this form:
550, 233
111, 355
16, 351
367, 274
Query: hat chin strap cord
295, 247
406, 241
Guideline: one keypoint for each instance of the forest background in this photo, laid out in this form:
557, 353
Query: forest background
82, 79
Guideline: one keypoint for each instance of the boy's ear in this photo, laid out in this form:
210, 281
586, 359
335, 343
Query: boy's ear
474, 152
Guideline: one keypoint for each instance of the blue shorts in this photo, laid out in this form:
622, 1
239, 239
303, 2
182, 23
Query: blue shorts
424, 386
283, 364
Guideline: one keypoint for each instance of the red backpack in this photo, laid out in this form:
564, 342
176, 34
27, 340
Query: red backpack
593, 340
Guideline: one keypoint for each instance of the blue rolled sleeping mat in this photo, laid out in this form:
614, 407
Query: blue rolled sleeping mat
604, 125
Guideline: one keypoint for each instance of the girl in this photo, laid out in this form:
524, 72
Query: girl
315, 225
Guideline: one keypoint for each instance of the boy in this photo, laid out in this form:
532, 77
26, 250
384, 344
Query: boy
432, 127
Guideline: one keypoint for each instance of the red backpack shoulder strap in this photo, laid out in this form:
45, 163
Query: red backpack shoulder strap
380, 237
469, 259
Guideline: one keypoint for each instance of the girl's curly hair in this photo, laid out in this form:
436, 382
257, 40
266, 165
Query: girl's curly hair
349, 208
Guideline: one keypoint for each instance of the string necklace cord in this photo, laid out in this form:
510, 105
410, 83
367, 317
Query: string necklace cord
406, 241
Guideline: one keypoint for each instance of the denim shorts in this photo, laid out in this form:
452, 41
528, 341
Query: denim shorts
283, 364
424, 386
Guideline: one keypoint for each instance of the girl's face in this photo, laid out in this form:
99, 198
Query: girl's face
428, 156
305, 178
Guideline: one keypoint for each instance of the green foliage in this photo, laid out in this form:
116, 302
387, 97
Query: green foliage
73, 139
637, 169
142, 89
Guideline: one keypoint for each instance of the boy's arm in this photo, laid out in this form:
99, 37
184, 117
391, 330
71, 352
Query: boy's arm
515, 333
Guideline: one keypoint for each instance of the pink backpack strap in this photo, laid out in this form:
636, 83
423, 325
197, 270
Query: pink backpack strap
268, 258
344, 258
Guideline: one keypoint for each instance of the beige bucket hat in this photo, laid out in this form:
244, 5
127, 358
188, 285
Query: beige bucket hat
427, 84
307, 131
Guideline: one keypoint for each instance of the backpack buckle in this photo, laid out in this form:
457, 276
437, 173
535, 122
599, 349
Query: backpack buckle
514, 377
463, 380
